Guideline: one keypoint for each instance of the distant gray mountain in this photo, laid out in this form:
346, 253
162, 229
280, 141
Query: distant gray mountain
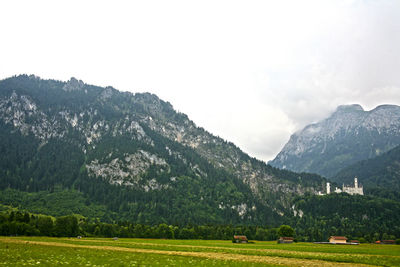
349, 135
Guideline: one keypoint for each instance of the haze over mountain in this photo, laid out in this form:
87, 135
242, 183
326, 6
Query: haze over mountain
349, 135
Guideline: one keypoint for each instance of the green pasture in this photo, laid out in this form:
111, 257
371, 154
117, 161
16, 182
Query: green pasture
20, 251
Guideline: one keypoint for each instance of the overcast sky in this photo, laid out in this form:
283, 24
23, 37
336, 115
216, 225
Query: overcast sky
252, 72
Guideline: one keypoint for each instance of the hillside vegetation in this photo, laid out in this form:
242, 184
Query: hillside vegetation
134, 156
380, 175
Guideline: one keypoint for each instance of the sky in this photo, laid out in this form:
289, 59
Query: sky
251, 72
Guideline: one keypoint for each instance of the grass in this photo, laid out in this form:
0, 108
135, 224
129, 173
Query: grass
19, 251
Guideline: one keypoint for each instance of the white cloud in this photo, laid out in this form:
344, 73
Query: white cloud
250, 71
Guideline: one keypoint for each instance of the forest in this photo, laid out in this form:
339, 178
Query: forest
14, 223
23, 223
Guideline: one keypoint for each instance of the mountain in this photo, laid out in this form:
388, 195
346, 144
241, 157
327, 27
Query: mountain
349, 135
129, 157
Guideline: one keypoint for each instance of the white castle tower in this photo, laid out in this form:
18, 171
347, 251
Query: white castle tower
328, 188
356, 190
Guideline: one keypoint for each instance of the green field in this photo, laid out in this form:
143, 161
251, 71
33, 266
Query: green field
20, 251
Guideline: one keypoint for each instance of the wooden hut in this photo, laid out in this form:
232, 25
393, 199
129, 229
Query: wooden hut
240, 239
338, 239
284, 239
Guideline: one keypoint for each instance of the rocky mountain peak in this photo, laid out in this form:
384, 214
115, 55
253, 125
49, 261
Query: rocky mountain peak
107, 92
349, 108
73, 85
350, 134
388, 109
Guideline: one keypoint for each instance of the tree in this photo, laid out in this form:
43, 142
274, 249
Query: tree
66, 226
164, 231
285, 230
45, 225
261, 234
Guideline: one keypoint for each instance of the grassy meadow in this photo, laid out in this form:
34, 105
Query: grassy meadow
47, 251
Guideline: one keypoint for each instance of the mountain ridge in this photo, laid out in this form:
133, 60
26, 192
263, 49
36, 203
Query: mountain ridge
348, 135
135, 147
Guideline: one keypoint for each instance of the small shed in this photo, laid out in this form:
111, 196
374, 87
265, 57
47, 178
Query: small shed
240, 239
388, 242
286, 240
338, 239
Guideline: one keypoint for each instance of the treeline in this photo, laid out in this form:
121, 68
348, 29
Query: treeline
356, 217
22, 223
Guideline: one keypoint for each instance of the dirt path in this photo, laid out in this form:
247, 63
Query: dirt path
270, 251
211, 255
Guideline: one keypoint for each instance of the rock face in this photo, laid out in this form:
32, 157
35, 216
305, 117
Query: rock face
93, 139
349, 135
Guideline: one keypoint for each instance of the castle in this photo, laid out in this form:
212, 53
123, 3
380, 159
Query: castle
356, 190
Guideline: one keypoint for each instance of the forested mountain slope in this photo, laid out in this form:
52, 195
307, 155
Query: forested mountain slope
380, 175
134, 155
